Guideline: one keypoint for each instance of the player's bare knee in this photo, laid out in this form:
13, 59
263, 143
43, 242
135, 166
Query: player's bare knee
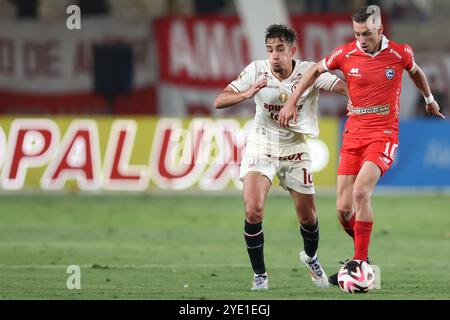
343, 213
343, 208
361, 196
309, 220
253, 213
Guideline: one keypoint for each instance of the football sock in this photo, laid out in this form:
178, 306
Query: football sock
254, 237
348, 225
362, 239
310, 234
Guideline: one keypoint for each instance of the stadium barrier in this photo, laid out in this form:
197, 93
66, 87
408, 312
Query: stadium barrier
423, 156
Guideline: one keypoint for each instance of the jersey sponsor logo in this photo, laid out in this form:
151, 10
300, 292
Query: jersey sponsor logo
265, 74
396, 53
274, 116
292, 157
273, 107
333, 56
390, 72
409, 50
382, 109
241, 75
354, 72
274, 110
348, 54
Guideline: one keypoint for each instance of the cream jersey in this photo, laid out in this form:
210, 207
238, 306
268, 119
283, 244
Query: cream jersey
267, 136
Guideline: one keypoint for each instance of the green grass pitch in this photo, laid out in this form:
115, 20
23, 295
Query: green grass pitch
187, 247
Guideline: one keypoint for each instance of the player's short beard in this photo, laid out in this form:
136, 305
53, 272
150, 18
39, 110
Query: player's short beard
278, 69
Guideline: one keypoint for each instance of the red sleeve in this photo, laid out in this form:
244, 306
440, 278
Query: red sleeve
408, 57
333, 61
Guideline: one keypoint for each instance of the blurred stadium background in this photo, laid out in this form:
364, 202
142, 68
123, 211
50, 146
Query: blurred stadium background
113, 158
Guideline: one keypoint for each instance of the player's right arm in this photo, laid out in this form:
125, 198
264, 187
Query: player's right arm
247, 84
230, 97
289, 110
420, 80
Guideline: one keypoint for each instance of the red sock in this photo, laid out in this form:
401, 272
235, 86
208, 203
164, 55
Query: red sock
362, 238
349, 225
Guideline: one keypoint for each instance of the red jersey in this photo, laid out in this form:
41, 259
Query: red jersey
374, 82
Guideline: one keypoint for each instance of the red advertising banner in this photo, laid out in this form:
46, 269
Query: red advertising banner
200, 51
209, 52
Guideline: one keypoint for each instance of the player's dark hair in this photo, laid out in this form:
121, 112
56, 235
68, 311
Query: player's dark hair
360, 15
281, 32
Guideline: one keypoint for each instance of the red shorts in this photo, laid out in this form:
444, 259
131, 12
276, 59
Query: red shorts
379, 149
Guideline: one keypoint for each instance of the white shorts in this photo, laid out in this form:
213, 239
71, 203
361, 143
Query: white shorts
294, 171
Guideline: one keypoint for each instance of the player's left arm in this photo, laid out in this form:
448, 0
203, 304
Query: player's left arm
420, 80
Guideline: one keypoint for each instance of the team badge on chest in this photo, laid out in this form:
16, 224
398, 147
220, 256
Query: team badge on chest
390, 73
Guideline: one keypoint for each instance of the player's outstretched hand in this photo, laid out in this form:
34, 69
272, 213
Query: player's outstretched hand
254, 89
433, 110
288, 112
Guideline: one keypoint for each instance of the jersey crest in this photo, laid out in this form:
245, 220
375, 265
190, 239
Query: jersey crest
283, 96
390, 73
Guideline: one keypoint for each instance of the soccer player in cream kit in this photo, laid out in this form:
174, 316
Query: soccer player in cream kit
271, 149
373, 66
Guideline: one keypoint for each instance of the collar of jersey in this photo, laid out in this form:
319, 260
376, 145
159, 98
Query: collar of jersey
384, 45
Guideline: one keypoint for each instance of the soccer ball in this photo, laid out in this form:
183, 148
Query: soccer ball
360, 281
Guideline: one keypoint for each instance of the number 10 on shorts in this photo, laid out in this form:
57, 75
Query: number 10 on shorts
390, 150
307, 178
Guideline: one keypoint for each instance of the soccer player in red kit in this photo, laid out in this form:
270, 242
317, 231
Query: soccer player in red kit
373, 66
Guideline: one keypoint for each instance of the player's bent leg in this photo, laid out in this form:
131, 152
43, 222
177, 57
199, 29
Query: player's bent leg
256, 187
344, 202
309, 230
349, 165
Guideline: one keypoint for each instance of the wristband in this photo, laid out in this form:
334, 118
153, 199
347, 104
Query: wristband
429, 99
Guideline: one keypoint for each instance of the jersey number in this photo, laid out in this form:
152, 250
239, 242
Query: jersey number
307, 178
390, 150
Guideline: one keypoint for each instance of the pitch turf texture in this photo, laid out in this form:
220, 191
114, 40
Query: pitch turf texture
185, 247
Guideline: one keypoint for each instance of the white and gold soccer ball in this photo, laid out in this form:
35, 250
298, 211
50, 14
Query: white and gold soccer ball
356, 276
